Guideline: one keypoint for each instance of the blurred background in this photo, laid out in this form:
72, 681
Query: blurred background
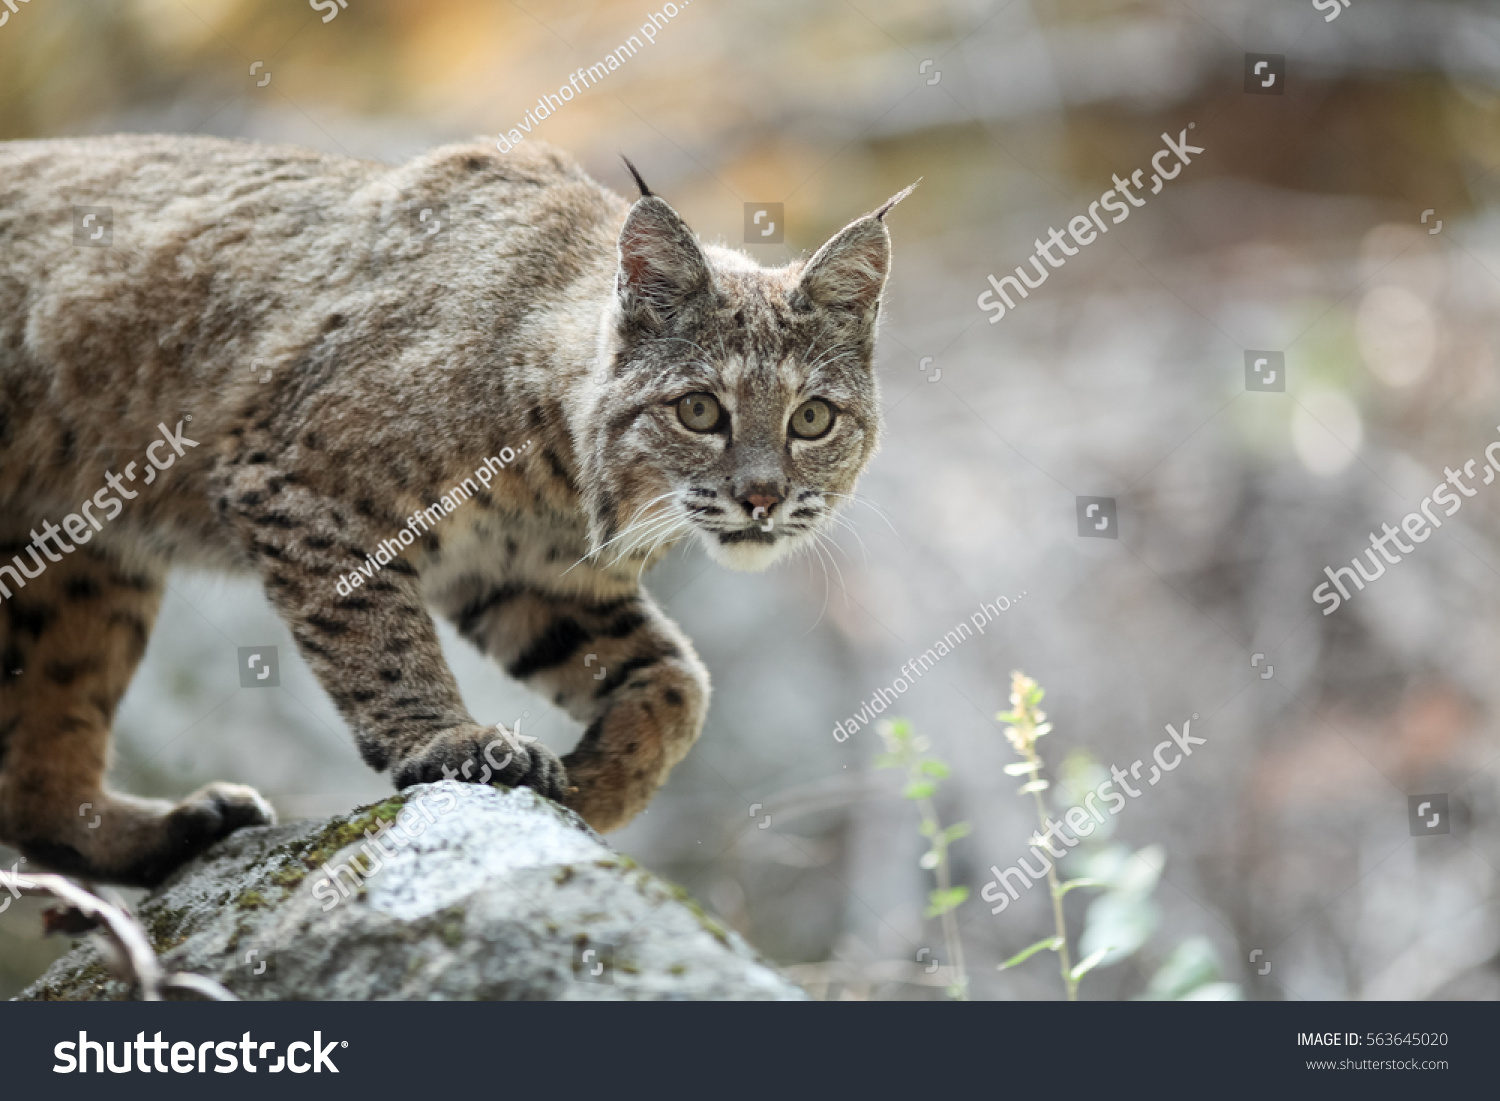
1346, 217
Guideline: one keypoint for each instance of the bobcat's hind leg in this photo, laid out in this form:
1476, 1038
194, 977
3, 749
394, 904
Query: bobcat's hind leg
69, 642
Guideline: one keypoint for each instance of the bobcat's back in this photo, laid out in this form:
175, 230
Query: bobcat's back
218, 278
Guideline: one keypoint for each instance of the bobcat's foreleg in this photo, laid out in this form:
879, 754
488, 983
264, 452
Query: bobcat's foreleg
619, 666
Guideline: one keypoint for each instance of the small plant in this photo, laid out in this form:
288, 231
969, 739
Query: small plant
905, 750
1124, 916
1026, 723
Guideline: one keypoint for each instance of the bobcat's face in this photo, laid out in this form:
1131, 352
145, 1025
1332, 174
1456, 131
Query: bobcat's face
738, 403
762, 447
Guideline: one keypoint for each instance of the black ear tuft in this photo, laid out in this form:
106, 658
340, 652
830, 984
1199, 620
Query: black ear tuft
848, 273
885, 208
646, 191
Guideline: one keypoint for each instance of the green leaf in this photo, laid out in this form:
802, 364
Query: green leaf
956, 831
1105, 863
940, 902
1088, 964
1193, 964
1119, 923
920, 789
1035, 785
1064, 888
1054, 943
1021, 768
936, 769
1140, 873
1009, 717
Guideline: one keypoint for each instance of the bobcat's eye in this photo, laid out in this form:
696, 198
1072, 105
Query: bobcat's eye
700, 412
812, 419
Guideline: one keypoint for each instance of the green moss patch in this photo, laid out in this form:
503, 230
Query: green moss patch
309, 853
89, 981
164, 927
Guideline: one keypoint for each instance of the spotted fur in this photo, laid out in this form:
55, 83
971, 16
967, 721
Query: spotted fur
341, 360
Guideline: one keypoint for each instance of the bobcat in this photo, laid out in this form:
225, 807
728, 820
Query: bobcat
267, 359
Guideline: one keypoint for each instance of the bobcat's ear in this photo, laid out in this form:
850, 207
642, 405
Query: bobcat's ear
848, 273
661, 265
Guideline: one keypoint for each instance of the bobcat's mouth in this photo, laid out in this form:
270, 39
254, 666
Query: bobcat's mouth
747, 535
750, 548
750, 544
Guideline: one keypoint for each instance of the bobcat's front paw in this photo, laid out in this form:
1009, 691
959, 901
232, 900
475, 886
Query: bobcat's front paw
482, 755
217, 810
210, 814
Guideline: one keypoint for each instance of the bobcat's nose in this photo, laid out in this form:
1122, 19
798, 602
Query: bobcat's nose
761, 497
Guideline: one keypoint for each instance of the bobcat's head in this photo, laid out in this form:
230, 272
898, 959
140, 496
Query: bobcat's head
735, 402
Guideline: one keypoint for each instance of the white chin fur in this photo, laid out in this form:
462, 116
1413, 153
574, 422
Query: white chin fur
746, 557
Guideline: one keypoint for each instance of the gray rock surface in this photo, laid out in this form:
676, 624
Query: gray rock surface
485, 894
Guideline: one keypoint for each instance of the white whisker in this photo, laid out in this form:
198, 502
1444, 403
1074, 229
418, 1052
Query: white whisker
847, 523
811, 545
859, 500
673, 532
645, 532
819, 538
635, 521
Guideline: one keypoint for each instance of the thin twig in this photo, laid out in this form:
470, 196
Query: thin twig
133, 955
